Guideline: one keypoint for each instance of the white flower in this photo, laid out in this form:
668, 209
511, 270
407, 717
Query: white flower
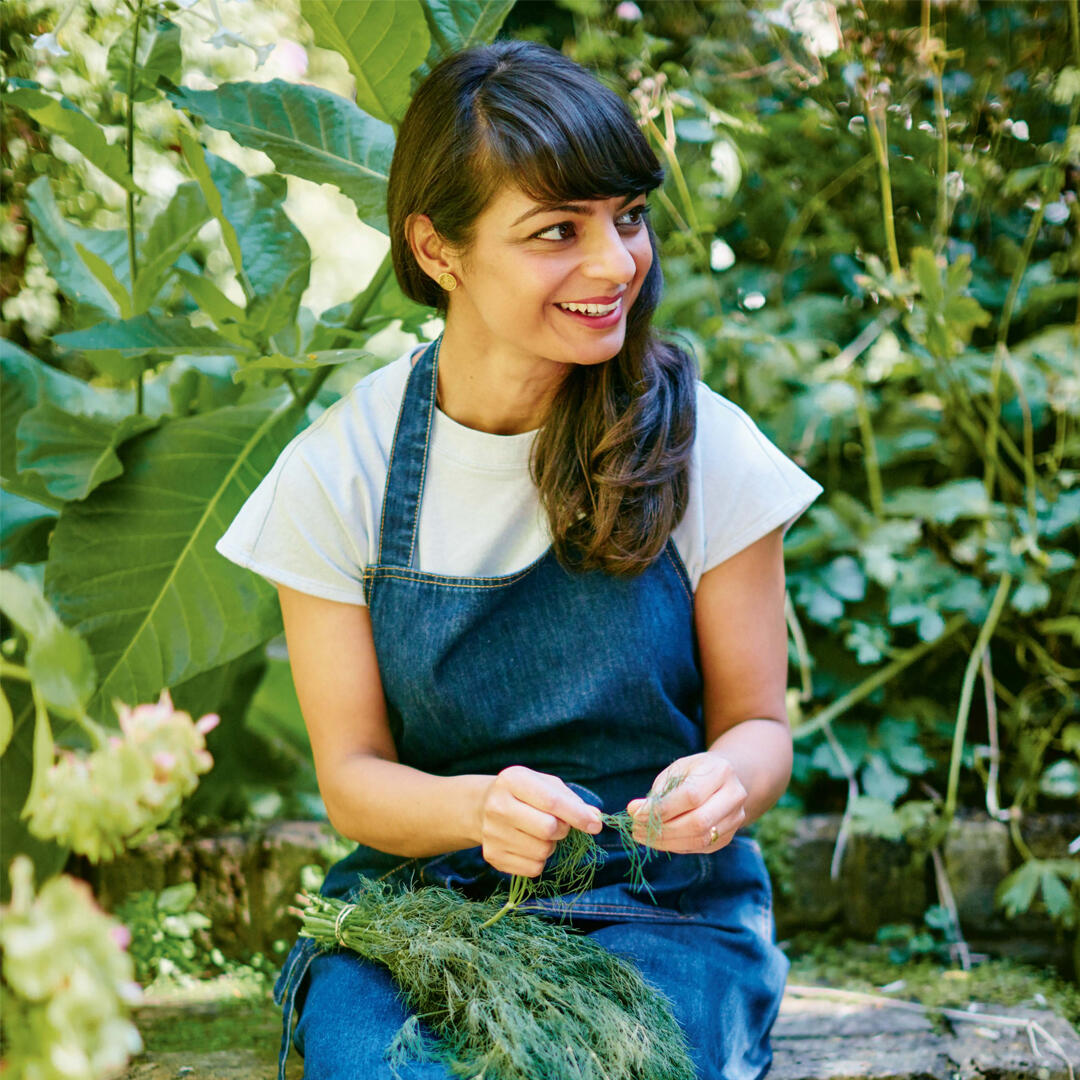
720, 255
48, 43
724, 159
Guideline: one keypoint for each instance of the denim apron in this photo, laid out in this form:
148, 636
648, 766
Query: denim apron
593, 678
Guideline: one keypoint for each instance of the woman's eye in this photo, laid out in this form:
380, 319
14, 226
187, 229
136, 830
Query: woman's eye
636, 215
563, 231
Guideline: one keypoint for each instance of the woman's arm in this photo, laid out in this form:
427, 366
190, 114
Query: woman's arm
742, 638
369, 795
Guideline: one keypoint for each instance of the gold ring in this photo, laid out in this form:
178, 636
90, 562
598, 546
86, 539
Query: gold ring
713, 836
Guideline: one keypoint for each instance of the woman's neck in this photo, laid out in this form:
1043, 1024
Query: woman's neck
490, 389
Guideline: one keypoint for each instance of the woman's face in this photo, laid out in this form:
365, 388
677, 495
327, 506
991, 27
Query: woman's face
552, 283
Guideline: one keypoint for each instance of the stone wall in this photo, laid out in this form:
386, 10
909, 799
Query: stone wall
246, 880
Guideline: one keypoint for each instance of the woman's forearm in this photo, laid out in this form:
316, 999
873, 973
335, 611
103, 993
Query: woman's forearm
760, 751
401, 810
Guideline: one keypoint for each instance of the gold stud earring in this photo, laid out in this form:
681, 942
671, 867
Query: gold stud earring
447, 281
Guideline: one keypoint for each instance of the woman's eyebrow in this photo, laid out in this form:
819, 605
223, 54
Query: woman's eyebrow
568, 208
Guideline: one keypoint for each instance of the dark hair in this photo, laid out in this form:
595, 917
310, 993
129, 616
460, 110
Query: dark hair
612, 460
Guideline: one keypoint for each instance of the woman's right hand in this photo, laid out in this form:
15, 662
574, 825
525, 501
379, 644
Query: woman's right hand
524, 814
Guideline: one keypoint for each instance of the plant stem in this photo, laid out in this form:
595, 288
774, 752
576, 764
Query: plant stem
131, 174
361, 306
14, 671
878, 139
879, 678
937, 65
973, 664
1002, 348
817, 202
870, 458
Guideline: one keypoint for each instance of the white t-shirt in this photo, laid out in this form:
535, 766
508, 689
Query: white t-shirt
312, 524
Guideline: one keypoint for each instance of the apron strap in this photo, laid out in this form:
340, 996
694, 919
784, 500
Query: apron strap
400, 516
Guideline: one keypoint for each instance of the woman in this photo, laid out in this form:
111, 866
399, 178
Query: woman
534, 569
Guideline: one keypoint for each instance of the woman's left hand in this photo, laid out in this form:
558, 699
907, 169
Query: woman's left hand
700, 814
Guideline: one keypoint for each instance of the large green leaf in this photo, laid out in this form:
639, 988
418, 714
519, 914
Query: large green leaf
133, 566
158, 54
306, 131
458, 24
73, 454
171, 232
275, 256
61, 117
56, 239
382, 44
146, 333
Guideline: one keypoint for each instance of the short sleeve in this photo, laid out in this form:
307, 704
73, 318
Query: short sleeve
749, 486
297, 528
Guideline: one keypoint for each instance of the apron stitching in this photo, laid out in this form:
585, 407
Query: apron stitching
423, 460
678, 574
454, 583
390, 466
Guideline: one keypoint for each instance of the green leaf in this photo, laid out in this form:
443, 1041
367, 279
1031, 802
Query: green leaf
107, 276
146, 333
195, 157
944, 504
875, 817
382, 44
880, 782
7, 722
306, 131
158, 54
310, 362
25, 526
170, 233
73, 453
27, 383
16, 771
61, 117
943, 317
134, 568
275, 257
1030, 596
1017, 891
211, 300
1056, 896
845, 578
57, 238
1061, 780
57, 658
175, 899
900, 741
459, 24
869, 642
24, 605
62, 670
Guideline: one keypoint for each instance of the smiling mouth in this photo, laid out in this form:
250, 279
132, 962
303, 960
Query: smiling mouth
595, 310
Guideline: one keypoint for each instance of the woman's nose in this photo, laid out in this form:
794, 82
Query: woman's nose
608, 257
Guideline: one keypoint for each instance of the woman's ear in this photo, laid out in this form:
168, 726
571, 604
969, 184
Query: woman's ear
432, 253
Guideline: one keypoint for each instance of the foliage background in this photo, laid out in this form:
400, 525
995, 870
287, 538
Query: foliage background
871, 240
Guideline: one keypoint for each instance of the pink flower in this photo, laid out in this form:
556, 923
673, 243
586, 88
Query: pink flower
164, 761
207, 723
121, 936
628, 11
